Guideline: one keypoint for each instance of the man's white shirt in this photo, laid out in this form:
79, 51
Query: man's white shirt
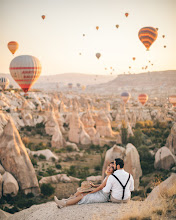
114, 185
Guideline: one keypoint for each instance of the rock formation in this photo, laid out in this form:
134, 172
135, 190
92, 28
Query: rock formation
15, 160
164, 159
10, 185
171, 140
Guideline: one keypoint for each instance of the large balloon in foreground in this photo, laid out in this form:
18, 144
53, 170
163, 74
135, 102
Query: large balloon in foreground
4, 82
25, 70
125, 96
98, 55
172, 100
143, 98
147, 36
13, 46
43, 17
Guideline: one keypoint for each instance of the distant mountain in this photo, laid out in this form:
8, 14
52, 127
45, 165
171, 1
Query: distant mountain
143, 82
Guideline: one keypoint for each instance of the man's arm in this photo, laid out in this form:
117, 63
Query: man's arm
108, 186
131, 183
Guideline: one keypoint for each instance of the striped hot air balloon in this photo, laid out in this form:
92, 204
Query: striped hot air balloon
4, 82
147, 36
125, 96
13, 46
143, 98
172, 100
25, 70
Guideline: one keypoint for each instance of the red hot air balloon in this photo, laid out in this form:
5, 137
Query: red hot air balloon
134, 58
126, 14
147, 36
25, 70
125, 96
97, 27
143, 98
172, 100
43, 17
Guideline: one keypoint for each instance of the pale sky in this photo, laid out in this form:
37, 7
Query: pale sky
58, 40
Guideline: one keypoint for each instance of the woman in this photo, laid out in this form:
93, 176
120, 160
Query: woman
95, 196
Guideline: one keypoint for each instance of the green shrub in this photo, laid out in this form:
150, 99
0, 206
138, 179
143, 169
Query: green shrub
47, 189
97, 168
58, 166
42, 157
34, 162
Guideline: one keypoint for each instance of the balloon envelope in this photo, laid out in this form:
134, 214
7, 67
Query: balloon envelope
43, 17
13, 46
126, 14
117, 26
25, 70
172, 100
98, 55
125, 96
97, 27
143, 98
70, 85
147, 36
4, 82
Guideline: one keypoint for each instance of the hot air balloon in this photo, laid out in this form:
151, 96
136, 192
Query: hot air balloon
125, 96
157, 29
78, 85
83, 35
111, 67
142, 68
43, 17
13, 46
143, 98
98, 55
105, 68
117, 26
172, 100
129, 67
70, 85
83, 88
126, 14
4, 82
147, 36
164, 46
163, 36
134, 58
80, 54
25, 70
97, 27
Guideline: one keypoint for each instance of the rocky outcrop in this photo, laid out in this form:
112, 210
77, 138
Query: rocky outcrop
84, 138
132, 164
58, 178
96, 179
0, 186
10, 185
163, 190
164, 159
103, 124
15, 160
47, 153
171, 140
131, 161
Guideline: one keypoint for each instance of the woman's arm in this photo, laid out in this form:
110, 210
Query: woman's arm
100, 187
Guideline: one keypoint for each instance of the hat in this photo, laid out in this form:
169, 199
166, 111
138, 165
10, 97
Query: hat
85, 187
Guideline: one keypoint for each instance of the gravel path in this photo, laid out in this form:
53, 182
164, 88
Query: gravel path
49, 211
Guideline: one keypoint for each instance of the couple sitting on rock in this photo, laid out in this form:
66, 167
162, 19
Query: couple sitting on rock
116, 187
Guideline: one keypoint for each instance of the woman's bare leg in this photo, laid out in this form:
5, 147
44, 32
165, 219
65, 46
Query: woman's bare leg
74, 200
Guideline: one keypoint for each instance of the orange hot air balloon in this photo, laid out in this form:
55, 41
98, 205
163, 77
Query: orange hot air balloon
97, 27
13, 46
125, 96
25, 70
134, 58
147, 36
172, 100
43, 17
126, 14
98, 55
163, 36
117, 26
143, 98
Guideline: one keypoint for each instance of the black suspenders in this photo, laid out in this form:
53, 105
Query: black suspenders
122, 184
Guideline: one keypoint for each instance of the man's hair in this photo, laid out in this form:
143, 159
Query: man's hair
119, 162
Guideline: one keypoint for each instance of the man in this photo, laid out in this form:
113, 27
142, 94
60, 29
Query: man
120, 182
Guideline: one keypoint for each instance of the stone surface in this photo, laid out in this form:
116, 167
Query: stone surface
96, 179
164, 189
73, 145
164, 159
15, 160
171, 140
2, 170
10, 185
84, 138
132, 164
47, 153
0, 186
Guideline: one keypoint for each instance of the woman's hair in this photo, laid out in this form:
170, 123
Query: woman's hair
112, 167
